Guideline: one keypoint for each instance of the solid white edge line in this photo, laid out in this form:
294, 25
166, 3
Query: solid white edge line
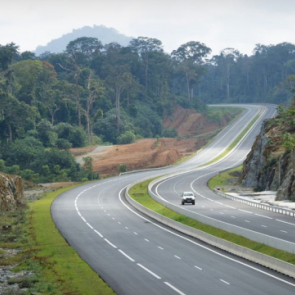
173, 288
127, 256
111, 244
204, 247
149, 271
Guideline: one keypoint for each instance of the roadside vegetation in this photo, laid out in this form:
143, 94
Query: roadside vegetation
46, 263
225, 179
139, 193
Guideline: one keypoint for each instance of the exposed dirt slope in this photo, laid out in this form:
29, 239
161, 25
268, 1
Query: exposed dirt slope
145, 153
188, 122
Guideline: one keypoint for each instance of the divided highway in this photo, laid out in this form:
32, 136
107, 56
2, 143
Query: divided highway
136, 255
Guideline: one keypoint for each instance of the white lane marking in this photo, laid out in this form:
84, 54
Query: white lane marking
203, 206
110, 243
160, 248
126, 227
99, 233
146, 240
177, 257
283, 231
135, 233
225, 282
113, 218
127, 256
83, 219
198, 267
149, 271
233, 217
119, 222
204, 247
89, 225
247, 221
109, 214
231, 207
175, 289
245, 211
218, 203
221, 213
285, 222
263, 216
263, 225
211, 210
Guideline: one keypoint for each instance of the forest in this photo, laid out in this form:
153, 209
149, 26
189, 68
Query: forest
106, 94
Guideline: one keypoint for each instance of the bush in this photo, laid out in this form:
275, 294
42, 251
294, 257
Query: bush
169, 133
122, 168
63, 144
127, 137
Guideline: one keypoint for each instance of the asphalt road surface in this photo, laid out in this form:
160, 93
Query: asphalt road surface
136, 255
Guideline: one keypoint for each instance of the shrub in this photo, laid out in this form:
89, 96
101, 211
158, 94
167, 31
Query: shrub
127, 137
122, 168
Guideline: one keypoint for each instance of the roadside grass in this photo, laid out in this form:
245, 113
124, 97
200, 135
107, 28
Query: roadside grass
62, 270
57, 268
139, 193
222, 179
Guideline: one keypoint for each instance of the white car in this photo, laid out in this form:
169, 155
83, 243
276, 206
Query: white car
188, 197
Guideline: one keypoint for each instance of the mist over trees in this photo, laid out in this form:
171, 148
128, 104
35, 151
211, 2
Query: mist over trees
93, 94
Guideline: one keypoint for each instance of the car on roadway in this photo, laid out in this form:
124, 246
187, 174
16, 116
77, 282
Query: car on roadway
188, 197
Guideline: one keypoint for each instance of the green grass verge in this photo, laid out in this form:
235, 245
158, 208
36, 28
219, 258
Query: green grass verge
60, 269
234, 143
222, 179
139, 193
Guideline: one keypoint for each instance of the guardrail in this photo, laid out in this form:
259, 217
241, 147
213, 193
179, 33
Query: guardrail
275, 209
259, 258
247, 233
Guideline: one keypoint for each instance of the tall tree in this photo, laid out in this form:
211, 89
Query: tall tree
144, 46
191, 58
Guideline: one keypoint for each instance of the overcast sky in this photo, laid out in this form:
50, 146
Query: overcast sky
218, 23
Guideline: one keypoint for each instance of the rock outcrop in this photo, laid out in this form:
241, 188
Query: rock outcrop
269, 165
11, 192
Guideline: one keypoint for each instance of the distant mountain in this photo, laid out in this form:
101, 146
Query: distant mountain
102, 33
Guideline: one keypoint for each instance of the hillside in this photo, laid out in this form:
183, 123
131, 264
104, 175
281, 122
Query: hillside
193, 128
271, 163
102, 33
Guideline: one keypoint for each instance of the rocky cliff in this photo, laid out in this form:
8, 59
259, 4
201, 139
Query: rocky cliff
11, 192
271, 161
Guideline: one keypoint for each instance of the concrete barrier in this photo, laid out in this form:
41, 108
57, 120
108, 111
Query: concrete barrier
259, 258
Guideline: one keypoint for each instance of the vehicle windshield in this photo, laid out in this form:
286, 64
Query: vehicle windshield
188, 194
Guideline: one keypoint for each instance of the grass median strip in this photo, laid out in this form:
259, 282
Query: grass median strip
58, 267
139, 193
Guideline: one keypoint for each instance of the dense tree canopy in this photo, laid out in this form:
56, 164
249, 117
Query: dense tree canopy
92, 93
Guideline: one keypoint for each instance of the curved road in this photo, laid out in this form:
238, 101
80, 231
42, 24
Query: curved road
136, 255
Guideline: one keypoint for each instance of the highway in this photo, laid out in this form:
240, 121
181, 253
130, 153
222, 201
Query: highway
136, 255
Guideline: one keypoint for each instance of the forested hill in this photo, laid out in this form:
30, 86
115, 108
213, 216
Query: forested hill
104, 34
93, 93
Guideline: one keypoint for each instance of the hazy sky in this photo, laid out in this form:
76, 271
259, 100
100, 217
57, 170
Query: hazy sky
217, 23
